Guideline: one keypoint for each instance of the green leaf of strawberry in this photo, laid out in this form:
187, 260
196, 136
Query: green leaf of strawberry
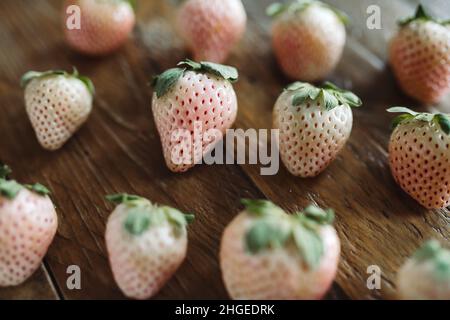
443, 120
265, 234
319, 215
5, 171
274, 228
165, 81
330, 95
143, 214
123, 198
138, 220
275, 9
309, 244
38, 188
10, 188
220, 70
226, 72
421, 15
433, 252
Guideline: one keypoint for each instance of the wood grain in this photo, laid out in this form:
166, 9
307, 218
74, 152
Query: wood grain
118, 150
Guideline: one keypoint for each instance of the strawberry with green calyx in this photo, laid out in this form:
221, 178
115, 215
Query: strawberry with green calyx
308, 38
420, 56
104, 25
58, 104
315, 124
426, 275
28, 224
194, 97
211, 28
146, 244
419, 155
268, 254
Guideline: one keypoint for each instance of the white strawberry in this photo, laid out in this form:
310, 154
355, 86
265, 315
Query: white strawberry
268, 254
196, 98
146, 244
57, 103
314, 123
28, 223
426, 276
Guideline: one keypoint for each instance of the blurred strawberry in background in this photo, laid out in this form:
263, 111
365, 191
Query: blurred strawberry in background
104, 26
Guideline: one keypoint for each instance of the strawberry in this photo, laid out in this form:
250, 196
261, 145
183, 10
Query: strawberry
146, 244
426, 276
419, 156
308, 38
105, 25
28, 223
268, 254
198, 99
57, 104
211, 28
314, 123
420, 57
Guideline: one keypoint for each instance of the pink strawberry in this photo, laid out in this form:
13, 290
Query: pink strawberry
28, 223
268, 254
308, 38
146, 244
314, 123
104, 25
419, 156
420, 57
211, 28
426, 275
57, 104
196, 99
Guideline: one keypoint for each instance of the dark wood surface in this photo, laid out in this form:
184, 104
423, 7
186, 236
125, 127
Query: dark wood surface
118, 150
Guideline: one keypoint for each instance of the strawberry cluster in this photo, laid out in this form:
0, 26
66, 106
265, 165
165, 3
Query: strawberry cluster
265, 253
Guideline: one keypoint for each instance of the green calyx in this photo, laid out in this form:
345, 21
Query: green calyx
165, 81
276, 9
142, 214
441, 119
10, 188
5, 171
330, 95
275, 229
433, 252
31, 75
422, 15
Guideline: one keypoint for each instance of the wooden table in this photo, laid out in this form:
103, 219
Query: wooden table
118, 150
